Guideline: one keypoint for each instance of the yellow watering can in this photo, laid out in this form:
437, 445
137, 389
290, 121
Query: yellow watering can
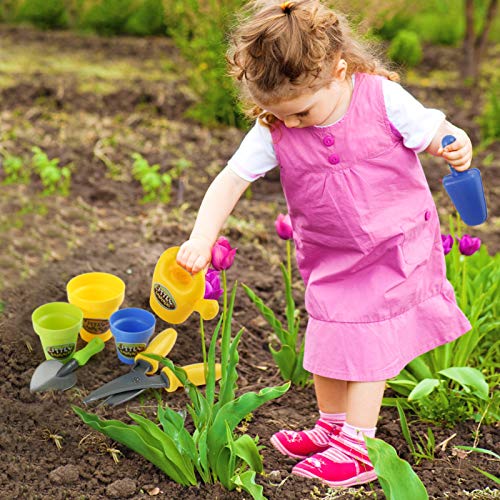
175, 293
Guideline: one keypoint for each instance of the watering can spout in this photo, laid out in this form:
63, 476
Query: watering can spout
207, 308
466, 191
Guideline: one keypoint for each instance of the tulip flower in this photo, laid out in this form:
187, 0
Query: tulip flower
213, 290
283, 227
468, 245
222, 254
448, 241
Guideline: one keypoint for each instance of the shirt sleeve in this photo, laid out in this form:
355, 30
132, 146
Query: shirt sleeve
416, 124
255, 156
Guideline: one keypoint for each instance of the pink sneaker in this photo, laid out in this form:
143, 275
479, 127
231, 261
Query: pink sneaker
302, 444
342, 464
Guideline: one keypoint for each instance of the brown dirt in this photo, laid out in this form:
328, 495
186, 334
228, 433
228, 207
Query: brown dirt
102, 226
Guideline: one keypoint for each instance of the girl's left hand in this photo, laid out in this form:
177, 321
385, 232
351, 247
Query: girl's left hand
459, 153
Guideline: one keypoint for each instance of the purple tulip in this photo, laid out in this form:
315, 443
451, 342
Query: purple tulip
448, 241
468, 245
222, 254
283, 226
213, 290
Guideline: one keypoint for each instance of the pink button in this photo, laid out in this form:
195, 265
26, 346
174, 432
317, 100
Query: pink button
328, 140
427, 215
334, 159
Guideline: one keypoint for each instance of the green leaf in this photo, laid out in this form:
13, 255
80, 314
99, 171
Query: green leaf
246, 481
478, 450
224, 466
226, 329
176, 456
397, 478
203, 455
245, 448
494, 478
419, 368
173, 426
134, 438
234, 412
402, 386
466, 377
210, 387
423, 388
290, 304
285, 358
228, 383
300, 375
404, 427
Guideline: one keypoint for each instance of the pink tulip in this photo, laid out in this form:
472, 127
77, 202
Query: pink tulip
213, 290
222, 254
283, 227
468, 245
447, 243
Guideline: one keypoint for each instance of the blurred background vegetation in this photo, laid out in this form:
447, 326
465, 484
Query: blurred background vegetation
199, 28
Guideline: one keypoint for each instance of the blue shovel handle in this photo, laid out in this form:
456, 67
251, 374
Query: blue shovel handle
446, 141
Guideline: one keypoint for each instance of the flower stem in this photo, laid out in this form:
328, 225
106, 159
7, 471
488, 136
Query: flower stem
289, 258
463, 291
224, 339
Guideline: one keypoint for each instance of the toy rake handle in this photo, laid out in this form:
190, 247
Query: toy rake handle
161, 345
446, 141
195, 374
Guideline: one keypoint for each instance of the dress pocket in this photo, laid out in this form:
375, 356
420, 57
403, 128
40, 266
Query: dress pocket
418, 237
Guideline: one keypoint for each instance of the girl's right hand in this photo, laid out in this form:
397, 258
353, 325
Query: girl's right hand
195, 254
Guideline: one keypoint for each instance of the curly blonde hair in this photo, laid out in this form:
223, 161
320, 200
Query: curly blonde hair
280, 50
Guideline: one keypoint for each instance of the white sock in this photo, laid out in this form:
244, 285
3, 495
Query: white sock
355, 434
332, 418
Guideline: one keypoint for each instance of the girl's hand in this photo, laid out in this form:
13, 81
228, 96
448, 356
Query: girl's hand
195, 254
459, 153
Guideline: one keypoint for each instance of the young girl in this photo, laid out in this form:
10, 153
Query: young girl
345, 136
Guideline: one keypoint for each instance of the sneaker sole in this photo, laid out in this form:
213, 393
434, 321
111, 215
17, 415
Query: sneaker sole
363, 478
277, 444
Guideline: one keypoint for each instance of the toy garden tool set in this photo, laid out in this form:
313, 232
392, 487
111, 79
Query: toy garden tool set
93, 312
466, 191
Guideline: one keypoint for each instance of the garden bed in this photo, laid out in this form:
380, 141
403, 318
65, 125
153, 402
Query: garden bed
131, 98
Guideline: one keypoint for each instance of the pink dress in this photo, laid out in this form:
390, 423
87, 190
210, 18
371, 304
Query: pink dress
368, 243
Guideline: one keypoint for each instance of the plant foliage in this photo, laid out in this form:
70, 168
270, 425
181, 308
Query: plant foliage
213, 452
406, 49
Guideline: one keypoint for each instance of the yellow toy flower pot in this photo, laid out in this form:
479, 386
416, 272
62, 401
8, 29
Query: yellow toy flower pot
98, 295
175, 293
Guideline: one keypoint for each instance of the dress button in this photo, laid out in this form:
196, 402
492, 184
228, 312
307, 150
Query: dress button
328, 140
334, 159
427, 215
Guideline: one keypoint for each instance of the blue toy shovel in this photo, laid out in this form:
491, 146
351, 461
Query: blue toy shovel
466, 191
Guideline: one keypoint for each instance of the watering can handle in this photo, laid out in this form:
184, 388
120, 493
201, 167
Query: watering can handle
446, 141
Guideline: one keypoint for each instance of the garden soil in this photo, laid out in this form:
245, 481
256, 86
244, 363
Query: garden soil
92, 102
